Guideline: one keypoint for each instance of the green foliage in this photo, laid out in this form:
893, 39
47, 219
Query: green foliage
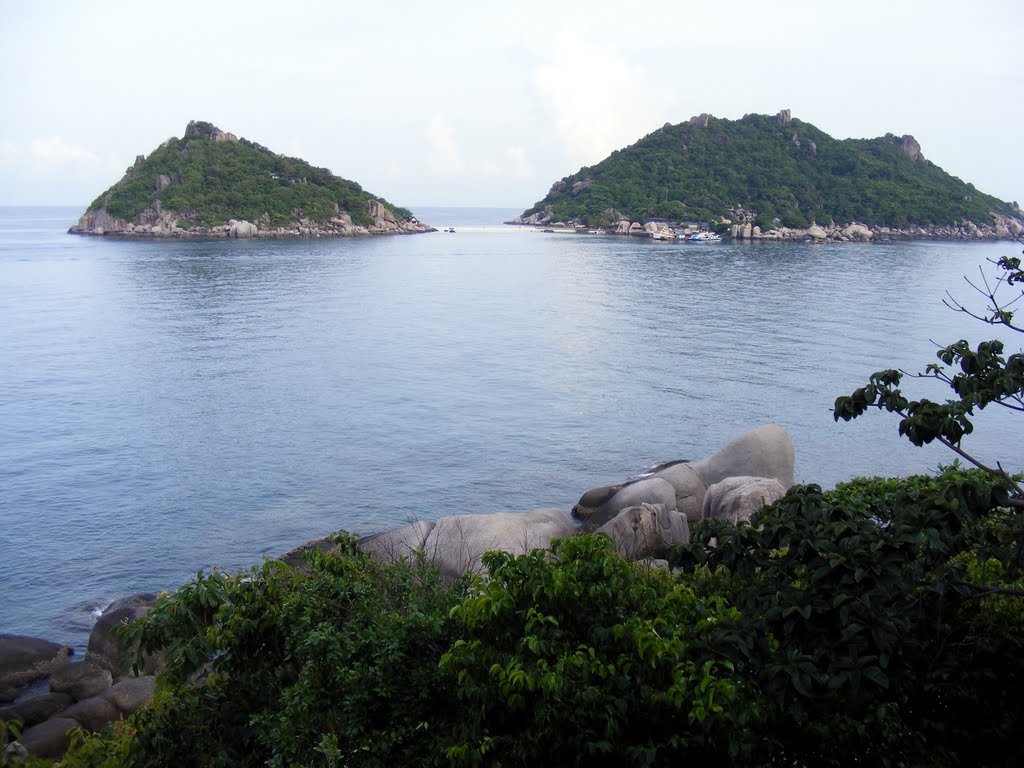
874, 640
277, 667
688, 173
575, 655
985, 377
214, 181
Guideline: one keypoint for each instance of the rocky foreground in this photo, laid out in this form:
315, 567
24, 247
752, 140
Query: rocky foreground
51, 695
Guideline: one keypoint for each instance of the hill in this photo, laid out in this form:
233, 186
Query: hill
211, 183
769, 171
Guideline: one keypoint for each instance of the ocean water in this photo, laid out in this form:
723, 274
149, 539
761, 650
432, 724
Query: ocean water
170, 406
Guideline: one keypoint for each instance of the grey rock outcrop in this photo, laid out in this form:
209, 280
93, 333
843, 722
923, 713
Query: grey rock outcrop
50, 738
598, 506
241, 229
35, 709
80, 680
737, 498
646, 530
784, 118
24, 659
106, 650
700, 121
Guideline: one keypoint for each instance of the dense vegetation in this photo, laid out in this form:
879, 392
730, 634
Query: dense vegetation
881, 623
211, 182
790, 171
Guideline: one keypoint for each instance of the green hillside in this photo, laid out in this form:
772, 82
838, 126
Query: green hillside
208, 177
772, 167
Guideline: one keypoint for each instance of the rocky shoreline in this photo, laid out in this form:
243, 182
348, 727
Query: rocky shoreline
50, 694
1002, 228
155, 223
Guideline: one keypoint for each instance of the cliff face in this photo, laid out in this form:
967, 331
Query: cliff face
210, 183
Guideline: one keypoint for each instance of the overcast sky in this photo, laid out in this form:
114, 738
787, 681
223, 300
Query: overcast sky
485, 103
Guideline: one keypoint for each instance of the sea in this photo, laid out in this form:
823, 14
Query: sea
167, 407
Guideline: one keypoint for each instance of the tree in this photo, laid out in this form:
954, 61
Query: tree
985, 377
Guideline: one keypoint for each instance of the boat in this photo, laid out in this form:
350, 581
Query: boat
705, 237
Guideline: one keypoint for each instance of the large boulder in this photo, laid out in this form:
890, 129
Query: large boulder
92, 713
456, 543
36, 709
765, 451
688, 484
596, 507
106, 650
646, 530
80, 680
738, 498
398, 543
50, 738
24, 659
241, 229
131, 693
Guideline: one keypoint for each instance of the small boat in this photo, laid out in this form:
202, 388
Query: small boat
451, 230
705, 237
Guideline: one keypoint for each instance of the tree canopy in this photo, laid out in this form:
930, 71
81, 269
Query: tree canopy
207, 182
787, 170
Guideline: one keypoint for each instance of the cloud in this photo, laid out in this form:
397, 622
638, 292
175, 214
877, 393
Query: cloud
53, 151
598, 102
517, 158
445, 156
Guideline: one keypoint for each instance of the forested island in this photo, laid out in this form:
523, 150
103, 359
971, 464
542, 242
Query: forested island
210, 183
774, 177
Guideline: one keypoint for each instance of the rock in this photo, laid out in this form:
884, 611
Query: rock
456, 543
737, 498
700, 121
858, 232
49, 739
391, 546
162, 182
242, 229
92, 713
748, 231
783, 118
131, 694
646, 530
24, 659
816, 232
294, 556
688, 485
579, 186
613, 499
910, 148
766, 451
36, 709
81, 680
106, 649
8, 692
622, 228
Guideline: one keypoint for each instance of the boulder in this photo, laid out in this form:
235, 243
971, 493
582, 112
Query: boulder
92, 713
738, 498
816, 232
600, 505
24, 659
646, 530
858, 232
242, 229
294, 557
131, 694
50, 738
80, 680
456, 543
391, 546
765, 451
8, 692
36, 709
105, 649
689, 487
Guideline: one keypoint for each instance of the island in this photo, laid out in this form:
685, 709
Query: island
772, 178
210, 183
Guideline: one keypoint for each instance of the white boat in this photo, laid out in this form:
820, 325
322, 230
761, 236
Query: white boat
705, 237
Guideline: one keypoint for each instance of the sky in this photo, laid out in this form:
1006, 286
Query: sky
485, 103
